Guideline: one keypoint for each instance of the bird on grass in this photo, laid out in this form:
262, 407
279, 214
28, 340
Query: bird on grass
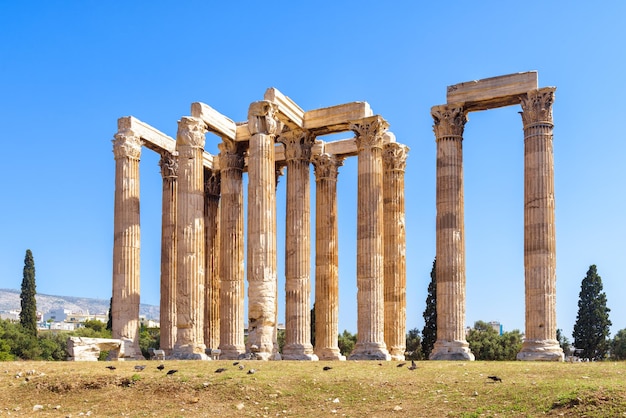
251, 371
327, 368
401, 365
172, 371
140, 367
111, 367
241, 366
413, 366
494, 378
161, 366
220, 370
235, 363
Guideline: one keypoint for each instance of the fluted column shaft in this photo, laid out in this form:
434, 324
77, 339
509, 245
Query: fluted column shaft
231, 258
190, 241
298, 346
169, 172
126, 242
326, 258
262, 280
394, 160
539, 228
212, 280
370, 269
449, 122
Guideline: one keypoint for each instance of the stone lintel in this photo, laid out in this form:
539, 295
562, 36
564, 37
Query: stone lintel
242, 133
338, 118
289, 112
215, 121
490, 93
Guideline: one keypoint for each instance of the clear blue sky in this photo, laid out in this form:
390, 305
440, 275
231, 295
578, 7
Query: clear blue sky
69, 69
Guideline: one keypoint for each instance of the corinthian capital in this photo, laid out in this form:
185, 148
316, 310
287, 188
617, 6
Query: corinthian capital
369, 132
326, 166
191, 132
262, 118
169, 165
127, 144
449, 120
537, 105
394, 156
212, 183
230, 154
298, 144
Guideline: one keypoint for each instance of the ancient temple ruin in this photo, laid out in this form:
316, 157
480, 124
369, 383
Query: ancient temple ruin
539, 229
202, 254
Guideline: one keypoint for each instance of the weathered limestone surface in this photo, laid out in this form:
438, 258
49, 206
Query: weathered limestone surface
212, 279
449, 122
540, 341
190, 241
169, 172
215, 121
298, 346
493, 92
231, 251
88, 349
326, 168
394, 161
262, 280
287, 111
335, 118
126, 241
370, 343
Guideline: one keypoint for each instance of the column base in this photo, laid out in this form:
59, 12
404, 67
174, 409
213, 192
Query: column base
330, 354
397, 353
189, 352
128, 351
541, 350
299, 352
232, 352
451, 350
369, 351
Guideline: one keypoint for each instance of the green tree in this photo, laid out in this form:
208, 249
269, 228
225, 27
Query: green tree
110, 319
313, 325
563, 341
414, 345
429, 333
592, 327
28, 315
618, 345
487, 344
346, 342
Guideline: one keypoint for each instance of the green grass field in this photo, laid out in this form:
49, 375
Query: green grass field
304, 389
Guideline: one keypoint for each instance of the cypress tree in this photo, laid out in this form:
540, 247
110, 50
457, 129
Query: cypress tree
591, 330
429, 333
110, 318
28, 315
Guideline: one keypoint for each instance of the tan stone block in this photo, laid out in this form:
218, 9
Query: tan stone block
336, 118
215, 121
289, 112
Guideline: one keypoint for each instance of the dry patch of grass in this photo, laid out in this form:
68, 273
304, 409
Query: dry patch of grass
304, 389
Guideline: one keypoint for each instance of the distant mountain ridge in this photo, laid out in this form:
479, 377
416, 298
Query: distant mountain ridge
10, 299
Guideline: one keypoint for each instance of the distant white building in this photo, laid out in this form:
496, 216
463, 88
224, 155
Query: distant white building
13, 315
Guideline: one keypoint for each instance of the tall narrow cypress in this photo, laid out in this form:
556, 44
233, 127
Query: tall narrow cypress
592, 327
28, 315
429, 333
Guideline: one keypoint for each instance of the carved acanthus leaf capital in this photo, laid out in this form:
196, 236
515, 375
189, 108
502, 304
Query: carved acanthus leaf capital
326, 166
212, 183
279, 171
449, 120
298, 144
127, 144
169, 165
230, 155
262, 118
537, 106
191, 132
369, 132
394, 156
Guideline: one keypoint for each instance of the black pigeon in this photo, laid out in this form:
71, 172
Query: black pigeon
494, 378
172, 371
401, 365
327, 367
413, 366
140, 368
111, 367
220, 370
251, 371
161, 366
235, 363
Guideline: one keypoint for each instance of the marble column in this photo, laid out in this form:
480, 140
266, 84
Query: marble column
212, 248
262, 279
298, 346
394, 161
231, 258
126, 243
540, 341
370, 343
169, 172
449, 123
326, 169
190, 273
